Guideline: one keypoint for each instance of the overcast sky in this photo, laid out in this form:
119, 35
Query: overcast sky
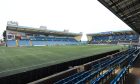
87, 16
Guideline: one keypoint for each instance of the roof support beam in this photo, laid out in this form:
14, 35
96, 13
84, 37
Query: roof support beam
129, 6
115, 3
131, 13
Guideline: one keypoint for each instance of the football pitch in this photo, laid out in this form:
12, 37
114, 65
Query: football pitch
20, 59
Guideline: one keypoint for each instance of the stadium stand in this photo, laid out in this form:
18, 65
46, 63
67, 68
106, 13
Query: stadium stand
122, 76
128, 11
119, 76
28, 36
97, 80
62, 41
104, 70
114, 37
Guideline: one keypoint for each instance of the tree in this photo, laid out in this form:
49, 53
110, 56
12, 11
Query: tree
4, 35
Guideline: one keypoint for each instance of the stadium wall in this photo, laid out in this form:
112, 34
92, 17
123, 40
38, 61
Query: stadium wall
16, 39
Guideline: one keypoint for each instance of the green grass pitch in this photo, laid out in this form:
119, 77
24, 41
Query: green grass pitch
19, 59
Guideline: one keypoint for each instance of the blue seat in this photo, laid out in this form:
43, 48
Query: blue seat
97, 80
119, 76
68, 78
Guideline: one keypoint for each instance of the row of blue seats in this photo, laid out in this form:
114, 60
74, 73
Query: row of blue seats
125, 69
118, 37
129, 57
61, 43
120, 75
39, 43
106, 65
119, 54
53, 39
98, 80
135, 57
101, 39
77, 76
113, 42
110, 71
80, 73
